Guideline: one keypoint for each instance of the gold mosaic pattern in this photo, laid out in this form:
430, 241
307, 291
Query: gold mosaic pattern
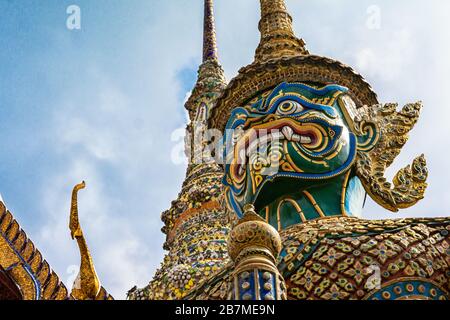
339, 258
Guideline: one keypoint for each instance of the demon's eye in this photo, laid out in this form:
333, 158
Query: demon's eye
289, 107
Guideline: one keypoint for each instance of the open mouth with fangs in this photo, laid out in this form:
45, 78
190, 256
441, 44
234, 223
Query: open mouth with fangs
308, 135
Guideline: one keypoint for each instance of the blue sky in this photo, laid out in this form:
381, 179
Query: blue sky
101, 104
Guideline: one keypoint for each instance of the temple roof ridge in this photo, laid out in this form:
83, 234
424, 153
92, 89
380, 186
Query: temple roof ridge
25, 264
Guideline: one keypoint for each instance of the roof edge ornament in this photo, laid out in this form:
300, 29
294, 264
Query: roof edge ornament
87, 285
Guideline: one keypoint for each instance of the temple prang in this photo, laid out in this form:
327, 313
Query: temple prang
197, 224
280, 216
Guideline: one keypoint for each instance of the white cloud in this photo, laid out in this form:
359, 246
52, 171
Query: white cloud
389, 60
120, 144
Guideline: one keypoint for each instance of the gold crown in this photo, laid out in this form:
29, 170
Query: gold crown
282, 57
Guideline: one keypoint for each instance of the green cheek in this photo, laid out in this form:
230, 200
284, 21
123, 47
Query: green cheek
321, 165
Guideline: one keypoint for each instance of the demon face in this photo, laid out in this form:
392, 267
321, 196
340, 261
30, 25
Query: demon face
286, 139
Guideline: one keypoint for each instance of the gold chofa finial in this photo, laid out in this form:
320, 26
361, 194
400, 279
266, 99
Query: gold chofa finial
277, 35
86, 285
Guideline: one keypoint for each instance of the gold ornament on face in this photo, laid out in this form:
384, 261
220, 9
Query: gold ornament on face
392, 128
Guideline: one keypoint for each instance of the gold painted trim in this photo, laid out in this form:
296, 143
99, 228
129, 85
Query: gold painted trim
17, 249
314, 203
402, 279
297, 207
344, 194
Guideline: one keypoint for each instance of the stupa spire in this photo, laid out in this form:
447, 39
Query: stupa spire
277, 35
209, 33
211, 79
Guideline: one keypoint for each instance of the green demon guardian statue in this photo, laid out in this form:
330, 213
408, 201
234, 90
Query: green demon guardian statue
305, 141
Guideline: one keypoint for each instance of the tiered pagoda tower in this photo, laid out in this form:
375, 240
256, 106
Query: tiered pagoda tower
197, 224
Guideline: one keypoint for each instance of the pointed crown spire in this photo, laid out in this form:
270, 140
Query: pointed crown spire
282, 57
211, 78
277, 35
209, 33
